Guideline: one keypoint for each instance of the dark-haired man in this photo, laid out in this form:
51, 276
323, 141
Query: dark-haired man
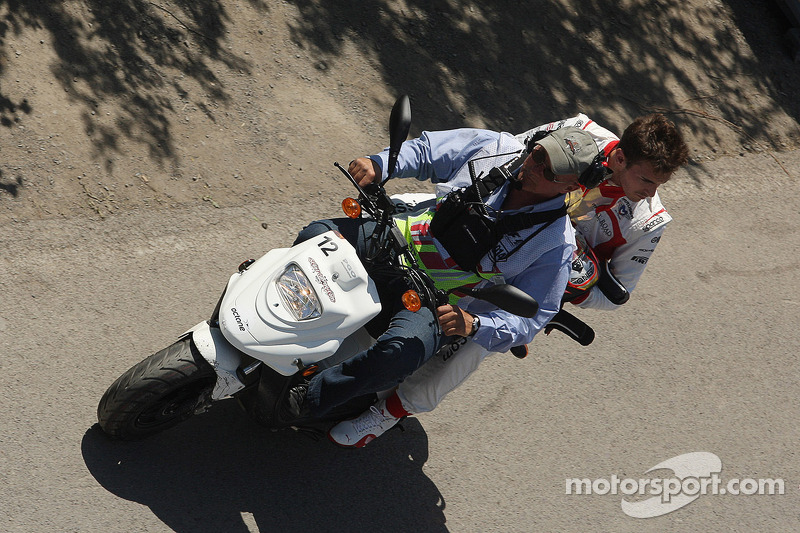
621, 221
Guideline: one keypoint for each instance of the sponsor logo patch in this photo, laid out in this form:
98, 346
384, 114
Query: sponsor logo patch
320, 278
652, 224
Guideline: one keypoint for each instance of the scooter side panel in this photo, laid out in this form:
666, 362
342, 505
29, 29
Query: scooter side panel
215, 349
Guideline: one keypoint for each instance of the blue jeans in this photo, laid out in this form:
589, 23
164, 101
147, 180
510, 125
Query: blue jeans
405, 339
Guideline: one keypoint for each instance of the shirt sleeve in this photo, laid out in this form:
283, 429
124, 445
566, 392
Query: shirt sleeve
436, 155
545, 280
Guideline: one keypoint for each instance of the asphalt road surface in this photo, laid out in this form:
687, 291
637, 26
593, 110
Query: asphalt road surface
702, 359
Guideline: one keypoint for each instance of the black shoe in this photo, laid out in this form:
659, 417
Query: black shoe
295, 406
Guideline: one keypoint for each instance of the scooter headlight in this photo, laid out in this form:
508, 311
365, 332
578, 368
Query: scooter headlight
297, 294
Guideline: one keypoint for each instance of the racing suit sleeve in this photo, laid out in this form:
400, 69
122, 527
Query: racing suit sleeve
627, 263
601, 135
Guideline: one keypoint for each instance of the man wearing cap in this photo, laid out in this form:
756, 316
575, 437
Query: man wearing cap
621, 220
535, 259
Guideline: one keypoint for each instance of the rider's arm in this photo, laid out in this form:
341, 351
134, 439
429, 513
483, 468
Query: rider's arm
437, 155
545, 280
576, 121
627, 263
601, 135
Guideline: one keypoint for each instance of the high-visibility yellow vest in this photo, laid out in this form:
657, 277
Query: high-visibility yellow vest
442, 270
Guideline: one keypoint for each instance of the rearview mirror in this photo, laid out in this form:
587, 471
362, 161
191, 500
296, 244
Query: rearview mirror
399, 125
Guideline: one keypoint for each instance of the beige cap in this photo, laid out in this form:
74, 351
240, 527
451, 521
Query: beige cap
571, 150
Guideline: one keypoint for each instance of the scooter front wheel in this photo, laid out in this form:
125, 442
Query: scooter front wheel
157, 393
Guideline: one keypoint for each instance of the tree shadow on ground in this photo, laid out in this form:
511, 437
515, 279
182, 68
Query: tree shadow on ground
209, 473
127, 51
516, 64
10, 186
503, 65
9, 109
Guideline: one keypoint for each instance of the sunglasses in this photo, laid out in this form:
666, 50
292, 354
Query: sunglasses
539, 156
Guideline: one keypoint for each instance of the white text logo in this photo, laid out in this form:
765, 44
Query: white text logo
695, 474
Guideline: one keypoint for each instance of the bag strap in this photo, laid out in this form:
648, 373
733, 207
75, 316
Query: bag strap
521, 221
485, 186
482, 187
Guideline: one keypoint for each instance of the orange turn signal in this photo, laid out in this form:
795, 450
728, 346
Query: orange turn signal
412, 301
351, 207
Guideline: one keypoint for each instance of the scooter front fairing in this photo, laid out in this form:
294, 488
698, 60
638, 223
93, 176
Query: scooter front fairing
298, 302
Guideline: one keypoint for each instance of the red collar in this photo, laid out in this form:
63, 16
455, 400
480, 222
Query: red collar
606, 189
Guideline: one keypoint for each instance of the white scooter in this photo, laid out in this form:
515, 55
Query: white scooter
280, 319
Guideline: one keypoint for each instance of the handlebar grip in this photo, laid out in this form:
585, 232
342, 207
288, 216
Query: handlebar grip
371, 188
571, 326
610, 286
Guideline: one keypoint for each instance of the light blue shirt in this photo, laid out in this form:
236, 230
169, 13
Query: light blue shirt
540, 267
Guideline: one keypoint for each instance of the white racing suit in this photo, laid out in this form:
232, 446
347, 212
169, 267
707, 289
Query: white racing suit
620, 231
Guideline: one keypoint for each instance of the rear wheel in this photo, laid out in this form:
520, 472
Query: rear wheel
157, 393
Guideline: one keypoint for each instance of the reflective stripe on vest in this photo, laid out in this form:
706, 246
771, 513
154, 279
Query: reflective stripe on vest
442, 270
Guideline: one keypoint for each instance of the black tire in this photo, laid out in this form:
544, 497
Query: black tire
157, 393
